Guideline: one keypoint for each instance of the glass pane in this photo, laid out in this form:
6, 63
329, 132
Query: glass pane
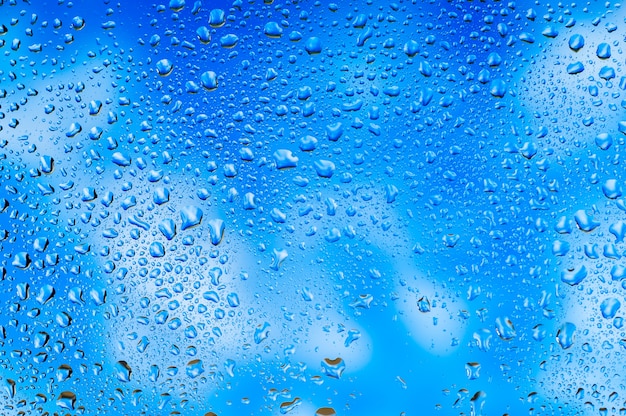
260, 207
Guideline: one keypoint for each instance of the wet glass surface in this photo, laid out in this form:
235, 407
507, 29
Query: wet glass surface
312, 208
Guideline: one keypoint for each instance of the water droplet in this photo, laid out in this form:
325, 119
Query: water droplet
78, 23
216, 231
482, 338
122, 371
161, 195
204, 35
164, 67
498, 88
313, 45
177, 5
66, 400
575, 68
120, 159
423, 304
190, 216
229, 366
40, 339
217, 18
261, 332
612, 189
63, 319
576, 42
565, 335
505, 329
233, 300
229, 41
472, 370
157, 249
46, 292
73, 130
9, 387
574, 277
63, 373
550, 32
353, 335
324, 168
333, 368
585, 222
411, 48
21, 260
287, 407
609, 307
273, 30
603, 51
560, 248
285, 159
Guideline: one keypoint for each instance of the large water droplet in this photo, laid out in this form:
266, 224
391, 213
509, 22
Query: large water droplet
164, 67
123, 371
566, 334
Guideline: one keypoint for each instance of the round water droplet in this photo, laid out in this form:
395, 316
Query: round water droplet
313, 45
576, 42
609, 307
164, 67
411, 48
603, 51
209, 80
204, 34
157, 249
194, 368
63, 373
78, 23
177, 5
494, 59
498, 88
217, 18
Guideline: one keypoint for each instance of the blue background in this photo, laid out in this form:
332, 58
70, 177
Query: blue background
382, 208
